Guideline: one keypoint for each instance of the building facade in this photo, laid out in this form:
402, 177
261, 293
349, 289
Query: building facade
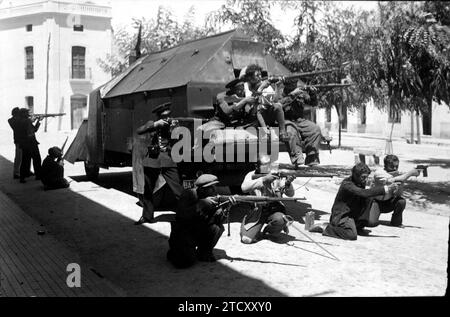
370, 119
49, 53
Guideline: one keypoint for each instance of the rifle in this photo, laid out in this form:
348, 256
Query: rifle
295, 173
296, 76
64, 144
325, 86
41, 116
225, 200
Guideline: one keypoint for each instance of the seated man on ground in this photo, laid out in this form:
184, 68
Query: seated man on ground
52, 170
349, 212
389, 202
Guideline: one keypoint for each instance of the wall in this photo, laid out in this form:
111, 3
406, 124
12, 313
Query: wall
96, 38
377, 122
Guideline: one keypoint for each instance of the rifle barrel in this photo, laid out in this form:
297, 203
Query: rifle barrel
250, 198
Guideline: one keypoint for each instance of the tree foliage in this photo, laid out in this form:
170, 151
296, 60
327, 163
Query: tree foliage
254, 18
157, 34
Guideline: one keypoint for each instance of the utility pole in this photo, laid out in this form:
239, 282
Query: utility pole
46, 82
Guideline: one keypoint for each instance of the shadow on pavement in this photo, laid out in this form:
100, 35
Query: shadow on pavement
420, 194
222, 254
131, 257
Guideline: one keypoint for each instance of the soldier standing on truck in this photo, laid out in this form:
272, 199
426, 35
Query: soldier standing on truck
159, 168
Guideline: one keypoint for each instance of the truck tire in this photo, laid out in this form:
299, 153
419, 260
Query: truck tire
91, 170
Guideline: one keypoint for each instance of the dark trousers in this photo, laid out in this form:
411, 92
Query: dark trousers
272, 216
149, 200
187, 240
346, 229
30, 152
396, 205
308, 137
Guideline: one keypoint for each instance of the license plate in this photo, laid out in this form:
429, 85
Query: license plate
188, 184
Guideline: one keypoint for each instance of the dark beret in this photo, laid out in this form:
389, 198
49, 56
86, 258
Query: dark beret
206, 180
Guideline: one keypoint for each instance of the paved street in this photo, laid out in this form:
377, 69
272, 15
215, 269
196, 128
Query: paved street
92, 224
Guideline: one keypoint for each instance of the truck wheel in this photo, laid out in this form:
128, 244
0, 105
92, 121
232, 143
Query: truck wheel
92, 170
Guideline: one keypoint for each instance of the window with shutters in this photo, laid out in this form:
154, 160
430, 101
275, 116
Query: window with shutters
29, 62
78, 62
29, 101
78, 28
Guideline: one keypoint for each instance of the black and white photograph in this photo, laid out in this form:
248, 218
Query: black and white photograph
224, 154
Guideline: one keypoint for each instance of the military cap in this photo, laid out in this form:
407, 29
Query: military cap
55, 151
206, 180
232, 83
162, 107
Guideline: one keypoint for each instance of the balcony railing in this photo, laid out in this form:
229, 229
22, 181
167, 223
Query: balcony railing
56, 7
80, 74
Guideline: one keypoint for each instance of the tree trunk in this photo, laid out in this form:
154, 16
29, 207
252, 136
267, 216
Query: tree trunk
339, 126
419, 141
412, 126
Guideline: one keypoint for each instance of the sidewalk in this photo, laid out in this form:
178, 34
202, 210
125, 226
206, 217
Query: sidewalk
33, 264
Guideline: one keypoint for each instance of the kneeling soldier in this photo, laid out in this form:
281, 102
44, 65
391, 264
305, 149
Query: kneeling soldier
52, 170
198, 225
273, 213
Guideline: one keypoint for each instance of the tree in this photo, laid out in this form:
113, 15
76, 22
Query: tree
253, 17
415, 65
157, 34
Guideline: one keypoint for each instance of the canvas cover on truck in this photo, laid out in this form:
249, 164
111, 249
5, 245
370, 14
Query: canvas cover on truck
202, 66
